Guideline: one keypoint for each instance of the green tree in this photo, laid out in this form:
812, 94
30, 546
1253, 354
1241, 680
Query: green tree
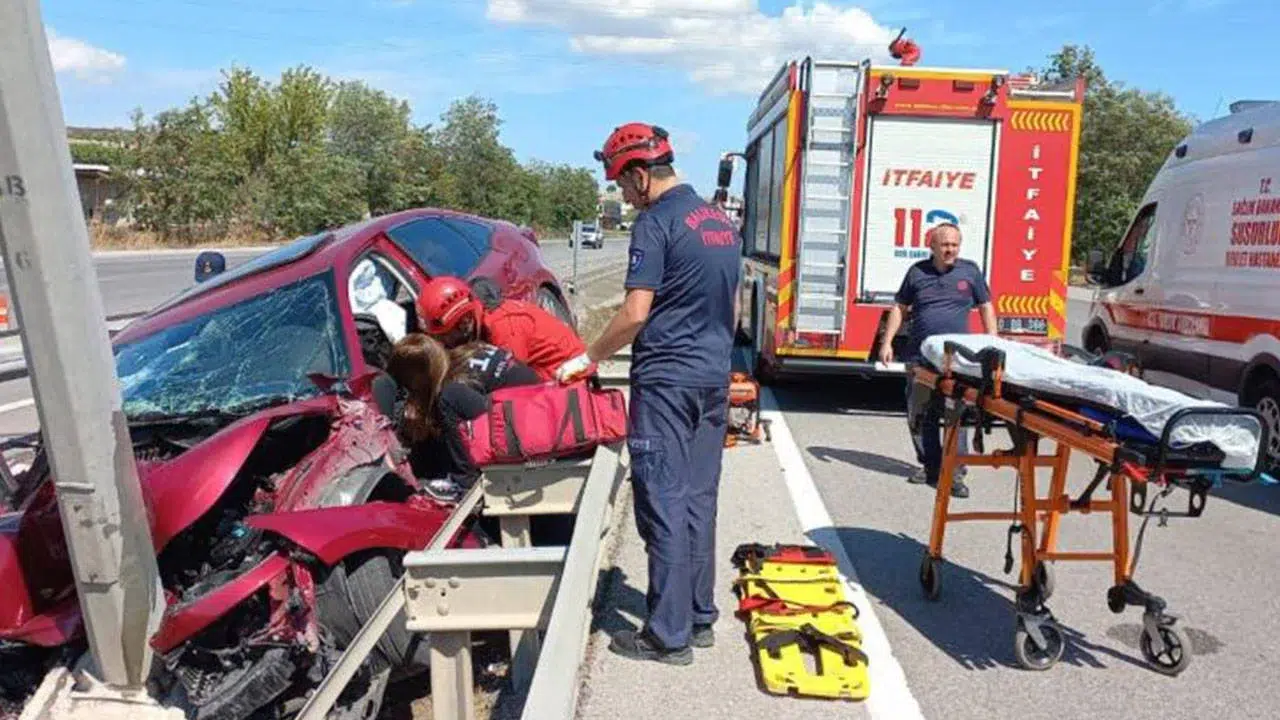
485, 170
184, 179
1125, 137
372, 129
307, 189
424, 179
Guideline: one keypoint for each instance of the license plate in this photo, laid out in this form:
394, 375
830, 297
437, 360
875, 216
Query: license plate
1024, 326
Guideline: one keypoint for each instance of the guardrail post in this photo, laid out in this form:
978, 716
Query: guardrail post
452, 693
525, 644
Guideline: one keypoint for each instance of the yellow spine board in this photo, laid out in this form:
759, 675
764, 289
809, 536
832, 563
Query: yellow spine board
804, 632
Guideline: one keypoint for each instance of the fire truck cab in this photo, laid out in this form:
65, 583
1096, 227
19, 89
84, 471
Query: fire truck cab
848, 165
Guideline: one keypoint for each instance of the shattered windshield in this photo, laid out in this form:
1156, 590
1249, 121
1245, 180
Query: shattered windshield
255, 353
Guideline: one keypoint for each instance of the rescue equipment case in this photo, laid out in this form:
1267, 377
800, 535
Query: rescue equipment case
795, 609
531, 423
744, 411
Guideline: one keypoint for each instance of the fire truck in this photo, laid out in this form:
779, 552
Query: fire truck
848, 165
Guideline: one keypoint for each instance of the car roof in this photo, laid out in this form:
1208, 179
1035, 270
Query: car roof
301, 258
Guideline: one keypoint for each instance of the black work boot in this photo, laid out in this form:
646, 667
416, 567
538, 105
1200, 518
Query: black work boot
703, 636
637, 645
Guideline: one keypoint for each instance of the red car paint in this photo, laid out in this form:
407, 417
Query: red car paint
176, 502
181, 622
334, 533
39, 604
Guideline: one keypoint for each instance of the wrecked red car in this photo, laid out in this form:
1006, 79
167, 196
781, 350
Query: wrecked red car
280, 499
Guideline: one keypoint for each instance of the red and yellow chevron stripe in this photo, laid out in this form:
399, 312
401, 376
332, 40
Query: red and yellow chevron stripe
1058, 304
1036, 305
1040, 120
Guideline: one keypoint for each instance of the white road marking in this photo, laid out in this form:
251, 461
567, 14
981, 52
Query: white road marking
890, 698
17, 405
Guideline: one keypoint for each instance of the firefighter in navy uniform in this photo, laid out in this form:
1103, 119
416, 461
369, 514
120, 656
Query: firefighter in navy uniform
679, 316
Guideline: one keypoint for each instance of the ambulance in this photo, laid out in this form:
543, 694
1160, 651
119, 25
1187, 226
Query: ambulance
849, 164
1193, 286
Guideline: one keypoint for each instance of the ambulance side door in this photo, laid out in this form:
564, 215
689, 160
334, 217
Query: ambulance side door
1180, 285
1124, 298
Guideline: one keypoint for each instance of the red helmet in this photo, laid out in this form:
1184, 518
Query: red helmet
444, 302
634, 142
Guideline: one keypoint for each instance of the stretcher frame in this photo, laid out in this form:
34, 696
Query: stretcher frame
1038, 643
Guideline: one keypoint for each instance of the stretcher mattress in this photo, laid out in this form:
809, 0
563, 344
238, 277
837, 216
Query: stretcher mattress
1038, 370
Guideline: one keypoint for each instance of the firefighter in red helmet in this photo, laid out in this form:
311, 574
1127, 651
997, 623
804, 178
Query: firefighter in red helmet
679, 316
449, 310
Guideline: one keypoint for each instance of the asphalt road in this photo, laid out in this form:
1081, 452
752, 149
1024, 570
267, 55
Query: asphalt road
1215, 572
137, 281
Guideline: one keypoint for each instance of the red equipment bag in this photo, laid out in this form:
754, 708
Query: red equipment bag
540, 422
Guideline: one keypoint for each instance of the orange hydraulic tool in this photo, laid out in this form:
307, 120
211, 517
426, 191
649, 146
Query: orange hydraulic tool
744, 411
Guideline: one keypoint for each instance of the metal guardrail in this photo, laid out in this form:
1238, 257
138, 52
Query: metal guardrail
17, 330
541, 595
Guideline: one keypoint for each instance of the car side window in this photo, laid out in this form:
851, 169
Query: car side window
480, 236
437, 247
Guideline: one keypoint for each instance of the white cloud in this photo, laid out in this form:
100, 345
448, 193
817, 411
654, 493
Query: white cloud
725, 45
82, 59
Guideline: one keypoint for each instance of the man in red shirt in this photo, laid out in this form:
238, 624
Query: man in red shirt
448, 309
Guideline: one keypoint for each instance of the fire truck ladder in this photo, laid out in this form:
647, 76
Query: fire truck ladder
826, 196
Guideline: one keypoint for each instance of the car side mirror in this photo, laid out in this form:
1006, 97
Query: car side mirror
208, 264
725, 174
1097, 267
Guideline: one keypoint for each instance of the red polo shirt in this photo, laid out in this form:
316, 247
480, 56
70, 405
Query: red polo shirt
536, 337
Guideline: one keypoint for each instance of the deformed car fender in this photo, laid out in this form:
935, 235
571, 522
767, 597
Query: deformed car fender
181, 490
333, 533
182, 621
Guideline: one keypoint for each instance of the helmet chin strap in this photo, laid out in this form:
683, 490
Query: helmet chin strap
643, 192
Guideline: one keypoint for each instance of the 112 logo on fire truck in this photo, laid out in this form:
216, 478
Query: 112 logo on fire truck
918, 222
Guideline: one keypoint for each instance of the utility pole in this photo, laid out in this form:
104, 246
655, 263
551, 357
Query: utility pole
68, 354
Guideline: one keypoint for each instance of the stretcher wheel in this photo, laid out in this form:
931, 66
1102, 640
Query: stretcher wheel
1177, 650
1030, 655
930, 577
1115, 599
1043, 581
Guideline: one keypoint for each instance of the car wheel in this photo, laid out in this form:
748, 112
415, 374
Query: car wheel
550, 301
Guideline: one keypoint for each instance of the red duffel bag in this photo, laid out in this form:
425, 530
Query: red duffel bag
541, 422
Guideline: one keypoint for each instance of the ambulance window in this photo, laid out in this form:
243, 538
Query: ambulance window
1131, 259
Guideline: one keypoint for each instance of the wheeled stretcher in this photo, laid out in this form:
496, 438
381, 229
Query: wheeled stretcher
1145, 440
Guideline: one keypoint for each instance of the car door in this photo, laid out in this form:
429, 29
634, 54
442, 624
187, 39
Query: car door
1124, 292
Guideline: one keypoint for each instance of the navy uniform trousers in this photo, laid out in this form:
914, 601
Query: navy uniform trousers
675, 441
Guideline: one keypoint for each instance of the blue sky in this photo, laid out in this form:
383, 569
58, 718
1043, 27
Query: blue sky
565, 72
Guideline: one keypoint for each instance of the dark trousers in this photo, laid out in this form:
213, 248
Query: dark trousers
925, 414
675, 442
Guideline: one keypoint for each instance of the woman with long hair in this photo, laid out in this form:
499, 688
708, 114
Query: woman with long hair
443, 389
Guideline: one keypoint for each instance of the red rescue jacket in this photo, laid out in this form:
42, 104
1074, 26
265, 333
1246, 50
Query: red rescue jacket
536, 337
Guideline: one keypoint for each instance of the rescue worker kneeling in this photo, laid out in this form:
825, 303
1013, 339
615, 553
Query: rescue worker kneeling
449, 310
443, 389
679, 316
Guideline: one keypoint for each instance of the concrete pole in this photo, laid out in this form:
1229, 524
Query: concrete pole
64, 333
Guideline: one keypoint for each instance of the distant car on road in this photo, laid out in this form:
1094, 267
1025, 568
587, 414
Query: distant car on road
591, 234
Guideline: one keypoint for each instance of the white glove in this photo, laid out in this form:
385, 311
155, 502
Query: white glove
571, 369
